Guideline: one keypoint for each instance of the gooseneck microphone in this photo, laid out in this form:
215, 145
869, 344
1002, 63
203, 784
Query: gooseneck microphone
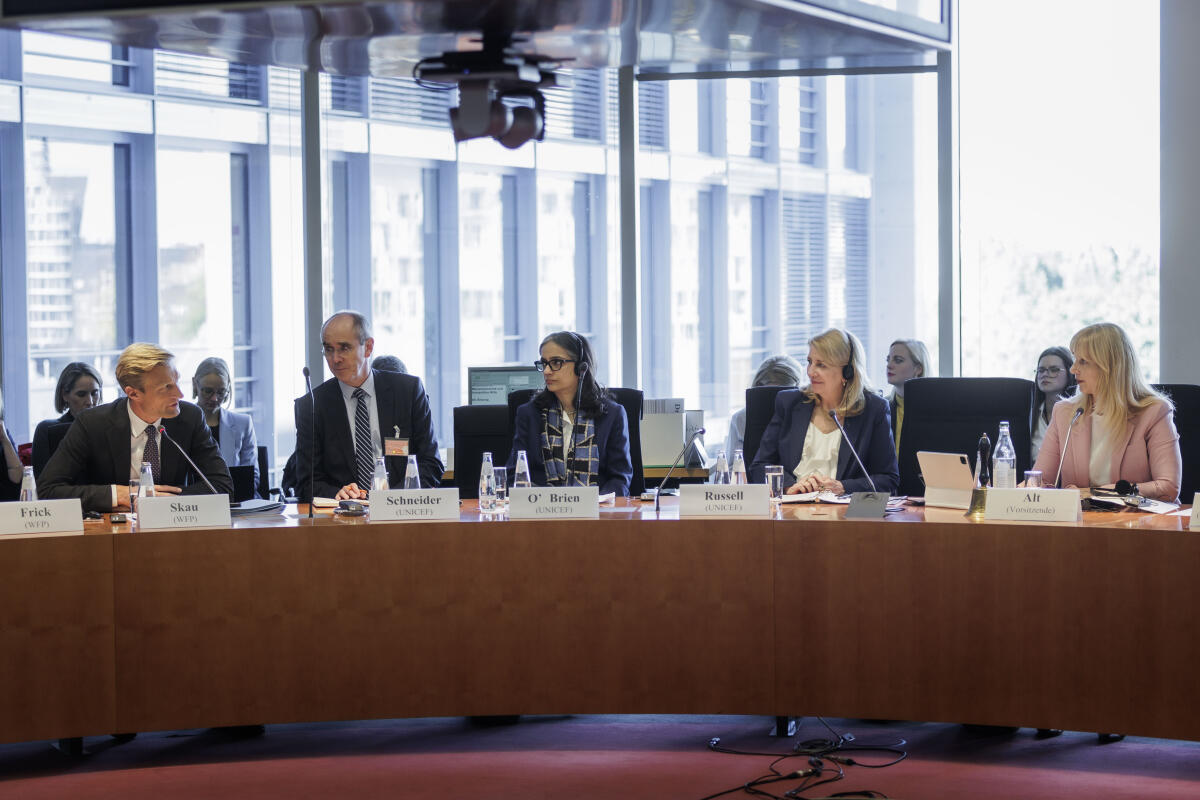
846, 439
658, 492
1063, 457
162, 429
312, 430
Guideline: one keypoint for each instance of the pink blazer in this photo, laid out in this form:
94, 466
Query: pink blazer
1147, 453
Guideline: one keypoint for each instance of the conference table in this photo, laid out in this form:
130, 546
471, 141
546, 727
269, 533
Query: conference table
926, 615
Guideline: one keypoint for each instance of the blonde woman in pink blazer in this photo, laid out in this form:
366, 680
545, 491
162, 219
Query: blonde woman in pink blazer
1121, 429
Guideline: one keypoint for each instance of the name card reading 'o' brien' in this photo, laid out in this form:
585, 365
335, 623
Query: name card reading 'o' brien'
390, 505
553, 502
183, 511
733, 500
42, 516
1033, 505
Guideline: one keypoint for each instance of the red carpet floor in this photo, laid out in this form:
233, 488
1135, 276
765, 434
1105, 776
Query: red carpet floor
587, 757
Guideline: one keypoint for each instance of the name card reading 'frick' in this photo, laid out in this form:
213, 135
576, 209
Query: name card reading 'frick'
552, 502
183, 511
1033, 505
405, 504
733, 500
42, 516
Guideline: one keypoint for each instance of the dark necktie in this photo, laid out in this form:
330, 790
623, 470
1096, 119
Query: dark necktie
364, 454
150, 453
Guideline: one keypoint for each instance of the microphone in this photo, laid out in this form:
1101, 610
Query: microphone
658, 492
312, 429
162, 429
846, 439
1063, 457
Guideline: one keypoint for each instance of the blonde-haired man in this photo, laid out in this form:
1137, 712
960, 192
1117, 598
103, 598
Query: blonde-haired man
106, 445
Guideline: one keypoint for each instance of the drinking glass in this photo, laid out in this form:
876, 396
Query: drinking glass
1033, 478
134, 488
501, 474
774, 475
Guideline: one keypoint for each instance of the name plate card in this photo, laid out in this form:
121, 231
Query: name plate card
733, 500
1194, 522
183, 511
540, 502
393, 505
42, 516
1033, 505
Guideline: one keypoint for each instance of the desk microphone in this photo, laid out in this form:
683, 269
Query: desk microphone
162, 429
658, 492
312, 429
846, 439
1058, 475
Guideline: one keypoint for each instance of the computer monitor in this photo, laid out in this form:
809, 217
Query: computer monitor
491, 385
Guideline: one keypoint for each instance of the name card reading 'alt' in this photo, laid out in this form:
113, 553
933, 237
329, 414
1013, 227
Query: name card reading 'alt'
1033, 505
393, 505
180, 511
42, 516
551, 502
734, 500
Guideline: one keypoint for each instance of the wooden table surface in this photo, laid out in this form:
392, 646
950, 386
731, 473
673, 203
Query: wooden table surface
926, 615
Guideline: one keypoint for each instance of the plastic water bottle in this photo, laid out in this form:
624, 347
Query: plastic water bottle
983, 463
1004, 461
487, 485
521, 479
412, 474
28, 485
738, 474
146, 479
379, 481
720, 470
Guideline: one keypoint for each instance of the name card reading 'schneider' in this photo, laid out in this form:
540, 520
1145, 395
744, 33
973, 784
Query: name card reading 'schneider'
413, 504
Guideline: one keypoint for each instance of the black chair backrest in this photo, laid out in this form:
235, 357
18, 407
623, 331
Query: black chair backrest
631, 400
947, 415
760, 407
1186, 398
54, 436
243, 483
264, 480
478, 430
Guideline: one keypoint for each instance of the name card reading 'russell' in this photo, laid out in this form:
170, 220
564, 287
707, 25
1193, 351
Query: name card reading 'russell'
734, 500
391, 505
1033, 505
42, 516
551, 502
183, 511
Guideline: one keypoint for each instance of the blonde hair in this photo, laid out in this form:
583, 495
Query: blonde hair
918, 352
838, 347
138, 359
1121, 392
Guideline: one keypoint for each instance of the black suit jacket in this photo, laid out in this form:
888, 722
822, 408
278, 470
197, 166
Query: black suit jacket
400, 401
94, 455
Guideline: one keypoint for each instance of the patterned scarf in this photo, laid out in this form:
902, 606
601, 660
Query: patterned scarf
582, 468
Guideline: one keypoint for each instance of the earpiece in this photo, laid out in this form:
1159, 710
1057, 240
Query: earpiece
847, 368
581, 366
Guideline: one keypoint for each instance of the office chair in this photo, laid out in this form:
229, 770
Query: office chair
478, 429
760, 407
1186, 398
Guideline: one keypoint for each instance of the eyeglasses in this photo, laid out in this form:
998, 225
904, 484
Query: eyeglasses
220, 394
1051, 371
555, 364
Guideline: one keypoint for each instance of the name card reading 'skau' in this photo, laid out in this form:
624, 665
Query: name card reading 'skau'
183, 511
1033, 505
42, 516
553, 502
405, 504
732, 500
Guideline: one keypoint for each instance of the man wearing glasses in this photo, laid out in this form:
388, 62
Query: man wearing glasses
361, 415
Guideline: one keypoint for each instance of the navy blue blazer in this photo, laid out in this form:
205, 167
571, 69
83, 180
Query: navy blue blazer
612, 442
870, 431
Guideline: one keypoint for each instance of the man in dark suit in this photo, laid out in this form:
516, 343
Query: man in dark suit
106, 445
361, 415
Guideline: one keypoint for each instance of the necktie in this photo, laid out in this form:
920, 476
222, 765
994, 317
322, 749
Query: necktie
364, 454
150, 453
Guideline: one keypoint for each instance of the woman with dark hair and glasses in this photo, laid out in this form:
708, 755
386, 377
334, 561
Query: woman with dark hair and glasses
212, 387
78, 389
1053, 382
572, 432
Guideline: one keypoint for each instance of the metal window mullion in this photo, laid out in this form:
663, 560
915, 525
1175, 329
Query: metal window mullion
262, 324
444, 274
521, 283
359, 272
14, 357
631, 319
143, 248
310, 180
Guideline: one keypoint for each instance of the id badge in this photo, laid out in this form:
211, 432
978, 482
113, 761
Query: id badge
394, 446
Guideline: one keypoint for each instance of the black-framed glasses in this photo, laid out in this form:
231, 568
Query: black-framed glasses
555, 364
220, 394
1051, 371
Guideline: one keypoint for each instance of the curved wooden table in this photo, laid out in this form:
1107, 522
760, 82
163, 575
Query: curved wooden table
925, 616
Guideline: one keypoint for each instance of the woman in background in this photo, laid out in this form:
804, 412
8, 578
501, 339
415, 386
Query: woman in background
1052, 383
773, 371
1123, 429
212, 386
79, 387
906, 360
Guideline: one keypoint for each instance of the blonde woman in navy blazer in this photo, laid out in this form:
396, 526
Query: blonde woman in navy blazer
212, 387
835, 382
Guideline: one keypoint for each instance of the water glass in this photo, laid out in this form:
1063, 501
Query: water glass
774, 475
134, 488
1033, 478
501, 475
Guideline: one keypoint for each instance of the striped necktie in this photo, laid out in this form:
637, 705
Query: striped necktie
364, 454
